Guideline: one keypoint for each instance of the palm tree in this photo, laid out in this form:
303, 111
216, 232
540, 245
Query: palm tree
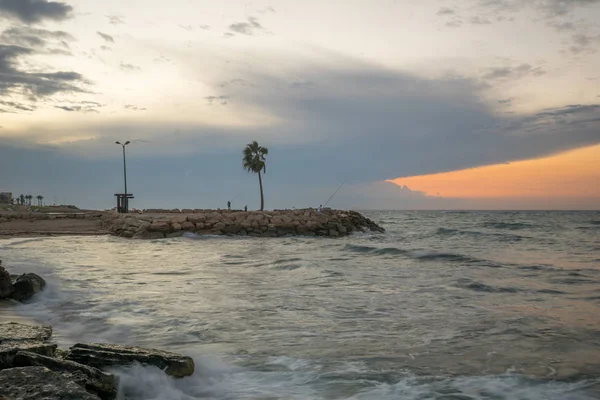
39, 199
254, 162
29, 197
22, 198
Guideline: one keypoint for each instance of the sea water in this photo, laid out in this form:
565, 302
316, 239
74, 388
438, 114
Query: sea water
444, 305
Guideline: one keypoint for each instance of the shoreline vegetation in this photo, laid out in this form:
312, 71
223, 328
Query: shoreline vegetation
159, 223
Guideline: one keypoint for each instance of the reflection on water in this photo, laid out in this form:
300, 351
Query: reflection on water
442, 306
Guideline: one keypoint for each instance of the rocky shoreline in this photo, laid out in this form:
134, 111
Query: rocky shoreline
33, 368
305, 222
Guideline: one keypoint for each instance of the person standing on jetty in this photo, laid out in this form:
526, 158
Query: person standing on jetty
246, 208
320, 207
229, 205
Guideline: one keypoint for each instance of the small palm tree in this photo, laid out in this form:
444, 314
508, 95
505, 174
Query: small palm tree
255, 161
39, 199
29, 197
22, 198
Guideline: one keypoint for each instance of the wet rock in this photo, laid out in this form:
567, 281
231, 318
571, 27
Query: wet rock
40, 383
95, 381
17, 333
6, 287
26, 286
111, 355
18, 337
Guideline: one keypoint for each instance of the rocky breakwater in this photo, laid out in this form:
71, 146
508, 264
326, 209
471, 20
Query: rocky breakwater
32, 368
307, 222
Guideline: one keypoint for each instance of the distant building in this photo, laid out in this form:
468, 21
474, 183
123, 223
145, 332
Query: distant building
5, 198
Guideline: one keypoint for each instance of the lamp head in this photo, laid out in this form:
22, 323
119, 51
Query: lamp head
118, 142
127, 142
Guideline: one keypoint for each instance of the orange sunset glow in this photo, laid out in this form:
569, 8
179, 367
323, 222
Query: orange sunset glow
571, 174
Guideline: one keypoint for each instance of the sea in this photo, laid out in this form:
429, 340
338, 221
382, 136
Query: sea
443, 305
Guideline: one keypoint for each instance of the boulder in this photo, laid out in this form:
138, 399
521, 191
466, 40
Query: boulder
197, 218
159, 226
16, 337
39, 383
100, 355
98, 382
26, 286
219, 226
178, 219
176, 226
6, 287
188, 226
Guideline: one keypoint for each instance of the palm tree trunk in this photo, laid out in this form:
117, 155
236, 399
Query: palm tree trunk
262, 198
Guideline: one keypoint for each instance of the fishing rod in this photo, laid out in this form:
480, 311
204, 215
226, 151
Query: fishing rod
334, 193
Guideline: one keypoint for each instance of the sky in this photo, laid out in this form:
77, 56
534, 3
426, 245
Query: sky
435, 104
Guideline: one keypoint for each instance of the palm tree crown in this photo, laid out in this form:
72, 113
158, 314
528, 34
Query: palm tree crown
255, 161
255, 158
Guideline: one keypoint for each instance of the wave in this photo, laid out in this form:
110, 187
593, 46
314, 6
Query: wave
482, 287
476, 234
513, 226
296, 379
422, 255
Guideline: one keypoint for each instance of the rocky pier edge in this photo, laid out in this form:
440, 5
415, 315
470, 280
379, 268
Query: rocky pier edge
305, 222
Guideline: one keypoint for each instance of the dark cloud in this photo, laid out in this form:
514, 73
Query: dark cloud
33, 37
217, 100
506, 102
204, 27
562, 26
478, 20
247, 28
83, 107
505, 73
456, 23
266, 10
16, 106
551, 8
232, 82
446, 11
33, 11
106, 37
303, 85
115, 20
186, 27
584, 43
105, 48
129, 67
134, 107
41, 41
228, 34
33, 84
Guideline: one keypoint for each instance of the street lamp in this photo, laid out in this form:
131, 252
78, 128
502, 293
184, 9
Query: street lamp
124, 172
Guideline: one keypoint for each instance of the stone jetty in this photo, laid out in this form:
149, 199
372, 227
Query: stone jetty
158, 224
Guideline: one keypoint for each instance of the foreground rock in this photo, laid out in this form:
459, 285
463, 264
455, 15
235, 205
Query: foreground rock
39, 383
110, 355
26, 286
5, 283
93, 380
307, 222
15, 338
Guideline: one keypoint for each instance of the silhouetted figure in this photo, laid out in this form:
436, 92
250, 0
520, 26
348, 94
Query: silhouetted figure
320, 207
229, 205
245, 208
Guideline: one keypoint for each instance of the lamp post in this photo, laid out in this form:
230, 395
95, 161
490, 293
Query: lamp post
126, 206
